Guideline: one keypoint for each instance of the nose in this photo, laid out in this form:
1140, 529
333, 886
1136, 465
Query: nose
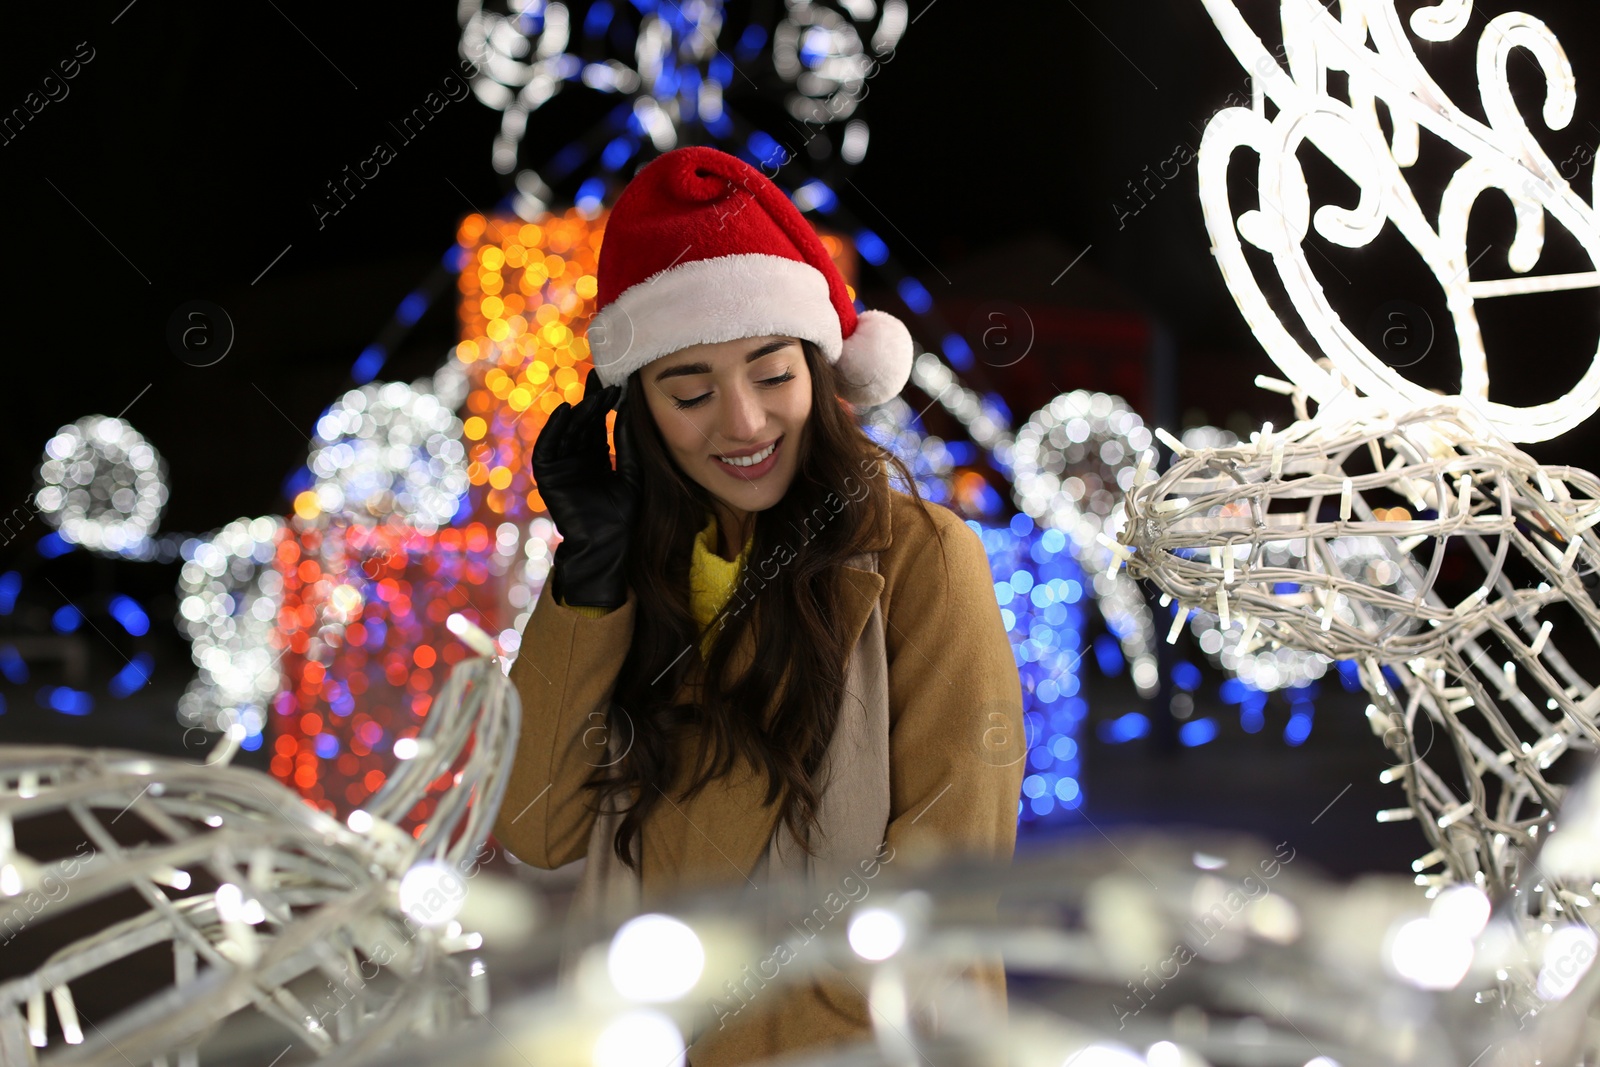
743, 415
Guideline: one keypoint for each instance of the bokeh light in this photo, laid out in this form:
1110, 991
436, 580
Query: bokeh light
1072, 461
387, 453
1041, 592
228, 605
103, 486
359, 605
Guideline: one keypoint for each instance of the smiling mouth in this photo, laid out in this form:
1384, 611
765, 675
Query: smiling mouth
752, 460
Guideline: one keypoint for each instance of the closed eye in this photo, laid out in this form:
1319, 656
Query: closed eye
787, 376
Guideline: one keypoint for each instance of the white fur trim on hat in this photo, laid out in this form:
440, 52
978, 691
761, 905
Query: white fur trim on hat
706, 301
876, 362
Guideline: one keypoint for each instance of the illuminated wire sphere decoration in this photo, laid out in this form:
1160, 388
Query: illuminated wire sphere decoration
345, 936
104, 486
388, 453
229, 596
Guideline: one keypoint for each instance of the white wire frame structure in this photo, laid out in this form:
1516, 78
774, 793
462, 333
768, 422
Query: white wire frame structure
260, 896
1474, 626
1486, 673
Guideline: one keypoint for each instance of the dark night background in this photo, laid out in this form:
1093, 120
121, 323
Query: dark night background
1004, 141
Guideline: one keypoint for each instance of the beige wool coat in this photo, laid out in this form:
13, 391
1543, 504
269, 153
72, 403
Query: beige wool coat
956, 755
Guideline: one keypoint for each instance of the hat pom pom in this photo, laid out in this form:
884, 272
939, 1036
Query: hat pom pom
875, 363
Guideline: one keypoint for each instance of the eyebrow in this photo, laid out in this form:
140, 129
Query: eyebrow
705, 368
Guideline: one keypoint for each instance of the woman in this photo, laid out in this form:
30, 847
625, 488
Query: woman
851, 698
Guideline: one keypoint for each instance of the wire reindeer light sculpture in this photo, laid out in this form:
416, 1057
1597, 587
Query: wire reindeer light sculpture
1470, 608
263, 899
1480, 679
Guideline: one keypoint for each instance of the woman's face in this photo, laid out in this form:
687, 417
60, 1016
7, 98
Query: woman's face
733, 399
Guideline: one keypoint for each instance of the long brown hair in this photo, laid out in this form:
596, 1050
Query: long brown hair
793, 617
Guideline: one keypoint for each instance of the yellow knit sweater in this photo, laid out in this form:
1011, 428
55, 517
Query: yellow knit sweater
712, 581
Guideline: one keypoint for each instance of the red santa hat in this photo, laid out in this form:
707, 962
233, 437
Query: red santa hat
700, 248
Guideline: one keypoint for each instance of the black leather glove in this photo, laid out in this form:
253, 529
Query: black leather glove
592, 505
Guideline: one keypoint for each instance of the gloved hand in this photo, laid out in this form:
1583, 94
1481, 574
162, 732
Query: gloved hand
592, 505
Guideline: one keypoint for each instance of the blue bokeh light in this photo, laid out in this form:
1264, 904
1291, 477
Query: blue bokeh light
368, 363
13, 666
1197, 732
590, 194
66, 700
957, 351
915, 295
130, 615
818, 196
1252, 712
1186, 676
133, 676
411, 308
751, 42
597, 18
1133, 725
1040, 586
53, 544
870, 247
1108, 655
